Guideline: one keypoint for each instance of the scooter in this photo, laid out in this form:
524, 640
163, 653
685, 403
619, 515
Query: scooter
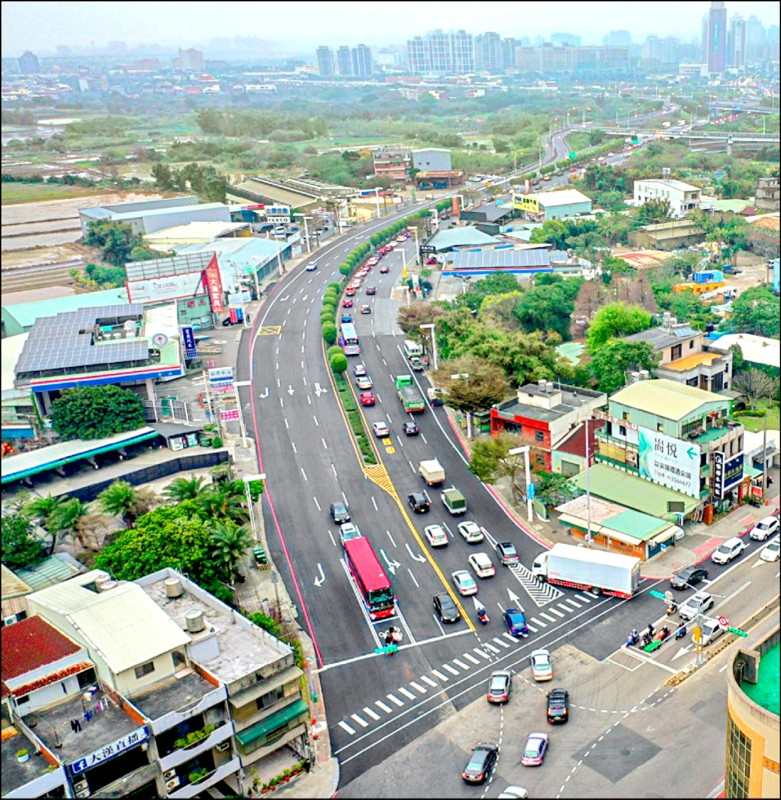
482, 616
632, 639
681, 632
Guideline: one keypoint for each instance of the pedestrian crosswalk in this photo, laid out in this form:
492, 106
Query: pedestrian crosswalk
425, 685
541, 593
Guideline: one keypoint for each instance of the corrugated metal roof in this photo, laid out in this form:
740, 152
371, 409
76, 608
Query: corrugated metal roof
12, 585
495, 259
563, 197
26, 313
463, 236
664, 398
55, 569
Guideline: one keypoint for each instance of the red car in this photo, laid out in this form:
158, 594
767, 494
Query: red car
431, 261
384, 270
347, 303
367, 398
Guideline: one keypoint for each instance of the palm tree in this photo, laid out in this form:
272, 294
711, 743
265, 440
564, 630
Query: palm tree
119, 499
182, 489
230, 542
42, 508
65, 519
220, 501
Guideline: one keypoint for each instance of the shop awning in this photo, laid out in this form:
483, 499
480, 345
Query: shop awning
273, 722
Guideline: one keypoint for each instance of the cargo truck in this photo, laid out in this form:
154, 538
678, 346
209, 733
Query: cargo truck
412, 349
454, 501
409, 395
432, 472
583, 568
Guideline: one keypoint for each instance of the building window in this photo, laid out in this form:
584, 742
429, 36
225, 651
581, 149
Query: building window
145, 669
625, 416
274, 696
622, 430
660, 427
691, 344
738, 762
676, 351
539, 436
22, 700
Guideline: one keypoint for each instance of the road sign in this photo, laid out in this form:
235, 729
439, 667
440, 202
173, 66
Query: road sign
723, 621
530, 490
737, 631
656, 594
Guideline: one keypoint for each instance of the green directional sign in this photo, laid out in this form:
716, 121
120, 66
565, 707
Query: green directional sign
656, 594
737, 631
573, 155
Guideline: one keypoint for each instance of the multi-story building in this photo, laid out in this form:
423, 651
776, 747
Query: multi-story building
28, 63
190, 60
489, 52
682, 197
393, 164
566, 38
756, 40
661, 53
451, 53
463, 52
716, 53
542, 206
678, 436
682, 357
325, 62
767, 193
737, 42
362, 61
185, 690
344, 62
432, 159
419, 55
617, 39
509, 46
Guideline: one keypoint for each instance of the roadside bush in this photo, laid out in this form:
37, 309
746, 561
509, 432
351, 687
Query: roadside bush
335, 285
329, 333
345, 269
334, 350
338, 362
329, 307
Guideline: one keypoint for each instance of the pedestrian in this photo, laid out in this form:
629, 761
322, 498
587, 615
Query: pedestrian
650, 629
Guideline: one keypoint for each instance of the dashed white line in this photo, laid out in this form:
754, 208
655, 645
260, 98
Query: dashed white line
286, 424
325, 446
304, 474
293, 445
414, 580
317, 504
315, 419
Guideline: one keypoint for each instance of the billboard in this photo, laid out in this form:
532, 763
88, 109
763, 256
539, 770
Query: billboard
671, 462
214, 285
726, 473
170, 287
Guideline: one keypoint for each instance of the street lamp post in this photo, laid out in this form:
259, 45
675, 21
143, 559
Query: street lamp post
417, 245
250, 505
432, 328
525, 450
306, 232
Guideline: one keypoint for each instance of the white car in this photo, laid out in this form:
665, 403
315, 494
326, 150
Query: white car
311, 266
348, 531
436, 535
471, 531
464, 582
701, 601
542, 669
728, 550
380, 429
770, 551
482, 565
764, 528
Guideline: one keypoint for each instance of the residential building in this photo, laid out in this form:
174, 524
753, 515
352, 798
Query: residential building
574, 452
28, 63
752, 768
463, 52
432, 159
451, 53
488, 53
544, 414
363, 66
682, 357
716, 43
661, 53
737, 42
767, 193
190, 60
325, 62
344, 62
393, 164
682, 197
756, 40
542, 206
509, 45
679, 437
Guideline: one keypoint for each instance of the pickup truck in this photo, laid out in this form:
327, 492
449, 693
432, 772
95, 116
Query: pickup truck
416, 364
454, 501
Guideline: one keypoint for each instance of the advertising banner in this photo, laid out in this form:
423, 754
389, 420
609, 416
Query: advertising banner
188, 338
170, 287
214, 286
106, 752
726, 473
671, 462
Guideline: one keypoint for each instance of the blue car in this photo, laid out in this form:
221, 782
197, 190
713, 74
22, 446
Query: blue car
347, 317
515, 620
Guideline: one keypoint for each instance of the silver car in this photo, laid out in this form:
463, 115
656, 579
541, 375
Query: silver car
699, 601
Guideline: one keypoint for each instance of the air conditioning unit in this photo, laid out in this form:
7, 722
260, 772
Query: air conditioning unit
223, 746
170, 774
172, 784
83, 792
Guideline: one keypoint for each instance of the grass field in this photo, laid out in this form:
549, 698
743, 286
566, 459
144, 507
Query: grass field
13, 193
756, 424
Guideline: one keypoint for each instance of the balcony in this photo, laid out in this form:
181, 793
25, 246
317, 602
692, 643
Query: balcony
130, 782
173, 718
186, 753
192, 789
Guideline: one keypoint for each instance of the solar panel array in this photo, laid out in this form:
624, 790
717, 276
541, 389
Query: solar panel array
488, 259
65, 341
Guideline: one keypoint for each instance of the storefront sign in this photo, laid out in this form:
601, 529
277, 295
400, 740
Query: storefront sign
671, 462
188, 338
230, 414
214, 285
726, 474
170, 287
110, 751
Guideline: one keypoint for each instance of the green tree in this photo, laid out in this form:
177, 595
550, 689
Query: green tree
329, 332
552, 489
94, 412
230, 542
181, 489
66, 519
162, 176
615, 319
42, 508
491, 458
119, 499
756, 385
756, 311
738, 360
612, 361
338, 363
115, 240
549, 306
224, 500
21, 547
653, 211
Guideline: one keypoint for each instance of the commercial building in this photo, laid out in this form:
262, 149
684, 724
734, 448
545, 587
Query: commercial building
682, 197
468, 262
196, 233
715, 53
574, 452
675, 436
544, 414
682, 357
439, 180
542, 206
344, 62
489, 218
363, 66
752, 763
736, 42
154, 215
325, 62
432, 159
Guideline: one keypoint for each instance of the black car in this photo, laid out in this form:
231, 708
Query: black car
340, 513
558, 705
419, 502
481, 762
446, 608
688, 575
411, 429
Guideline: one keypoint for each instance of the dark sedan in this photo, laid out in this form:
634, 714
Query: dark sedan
481, 762
558, 705
446, 608
688, 576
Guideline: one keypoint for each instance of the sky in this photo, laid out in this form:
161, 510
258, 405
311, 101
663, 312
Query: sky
41, 26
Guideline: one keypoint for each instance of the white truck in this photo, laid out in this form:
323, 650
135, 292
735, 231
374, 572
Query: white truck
412, 349
432, 472
583, 568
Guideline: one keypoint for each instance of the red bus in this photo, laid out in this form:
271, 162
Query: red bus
370, 578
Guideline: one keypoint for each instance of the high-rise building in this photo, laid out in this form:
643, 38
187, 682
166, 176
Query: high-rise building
737, 42
463, 52
509, 46
772, 43
755, 40
488, 52
617, 39
325, 62
190, 60
419, 55
363, 66
448, 53
28, 63
661, 53
566, 38
344, 62
716, 55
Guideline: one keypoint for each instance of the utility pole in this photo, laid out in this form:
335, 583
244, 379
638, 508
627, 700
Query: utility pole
526, 451
588, 492
764, 459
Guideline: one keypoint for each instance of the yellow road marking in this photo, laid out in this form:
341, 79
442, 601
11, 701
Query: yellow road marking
270, 330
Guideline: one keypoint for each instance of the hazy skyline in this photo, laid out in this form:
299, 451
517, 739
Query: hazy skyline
42, 26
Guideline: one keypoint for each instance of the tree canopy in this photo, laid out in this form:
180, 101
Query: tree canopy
615, 319
94, 412
756, 311
21, 547
614, 359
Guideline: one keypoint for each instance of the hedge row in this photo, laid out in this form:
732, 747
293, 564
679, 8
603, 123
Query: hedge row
355, 419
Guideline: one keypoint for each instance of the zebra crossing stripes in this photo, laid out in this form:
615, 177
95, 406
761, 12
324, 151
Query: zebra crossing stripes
418, 688
387, 709
362, 722
370, 713
548, 617
541, 593
450, 669
472, 659
557, 613
491, 648
395, 700
460, 664
406, 693
428, 680
439, 675
509, 637
481, 653
531, 629
346, 727
537, 622
500, 641
572, 602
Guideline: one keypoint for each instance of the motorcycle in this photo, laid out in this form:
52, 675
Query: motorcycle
632, 639
681, 632
482, 616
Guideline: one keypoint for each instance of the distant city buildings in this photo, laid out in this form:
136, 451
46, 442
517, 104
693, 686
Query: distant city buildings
715, 44
28, 63
189, 60
617, 39
325, 62
350, 62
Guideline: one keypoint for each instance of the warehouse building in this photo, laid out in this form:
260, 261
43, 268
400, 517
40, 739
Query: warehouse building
542, 206
490, 218
472, 263
432, 159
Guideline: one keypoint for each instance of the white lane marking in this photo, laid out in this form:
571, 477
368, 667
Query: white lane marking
370, 713
471, 658
572, 601
374, 503
583, 597
406, 693
532, 630
491, 648
481, 653
439, 675
500, 641
460, 664
418, 688
557, 613
286, 424
317, 504
304, 474
385, 708
395, 700
428, 680
293, 445
315, 419
362, 722
346, 727
414, 580
450, 669
550, 619
509, 636
281, 402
